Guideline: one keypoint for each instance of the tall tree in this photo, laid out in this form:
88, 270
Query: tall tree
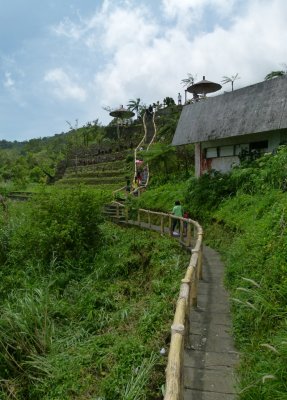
189, 80
274, 74
168, 101
230, 79
135, 105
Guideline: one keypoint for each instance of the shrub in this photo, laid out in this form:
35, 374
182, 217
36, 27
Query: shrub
63, 225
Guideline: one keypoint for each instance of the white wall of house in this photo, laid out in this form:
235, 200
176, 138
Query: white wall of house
221, 155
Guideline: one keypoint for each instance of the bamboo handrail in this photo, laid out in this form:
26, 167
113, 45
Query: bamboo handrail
174, 387
141, 188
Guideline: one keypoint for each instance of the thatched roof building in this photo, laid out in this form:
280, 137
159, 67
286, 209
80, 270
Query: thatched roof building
241, 117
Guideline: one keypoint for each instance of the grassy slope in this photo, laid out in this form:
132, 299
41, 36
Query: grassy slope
86, 330
244, 217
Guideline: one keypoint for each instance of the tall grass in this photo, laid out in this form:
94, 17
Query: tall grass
249, 227
26, 332
83, 329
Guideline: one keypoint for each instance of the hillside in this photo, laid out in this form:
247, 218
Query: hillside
85, 305
244, 216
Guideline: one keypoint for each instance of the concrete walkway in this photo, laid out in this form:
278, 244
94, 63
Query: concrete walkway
209, 364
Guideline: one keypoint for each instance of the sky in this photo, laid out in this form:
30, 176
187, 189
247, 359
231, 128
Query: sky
64, 60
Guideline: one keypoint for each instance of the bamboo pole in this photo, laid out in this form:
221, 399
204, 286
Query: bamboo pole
181, 232
193, 289
117, 211
187, 298
173, 371
170, 225
200, 259
162, 224
188, 236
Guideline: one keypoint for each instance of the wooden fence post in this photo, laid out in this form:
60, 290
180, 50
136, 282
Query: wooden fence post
188, 236
170, 225
194, 282
161, 225
200, 261
148, 216
181, 231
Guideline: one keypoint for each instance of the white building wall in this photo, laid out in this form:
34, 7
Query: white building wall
224, 164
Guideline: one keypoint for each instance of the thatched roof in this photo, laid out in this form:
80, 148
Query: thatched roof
253, 109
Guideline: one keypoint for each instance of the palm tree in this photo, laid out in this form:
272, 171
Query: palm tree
135, 105
161, 157
189, 80
231, 79
274, 74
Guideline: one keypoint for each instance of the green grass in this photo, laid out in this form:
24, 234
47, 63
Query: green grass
91, 329
250, 231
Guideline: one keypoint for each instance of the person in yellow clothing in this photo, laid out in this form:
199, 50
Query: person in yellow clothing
135, 187
178, 212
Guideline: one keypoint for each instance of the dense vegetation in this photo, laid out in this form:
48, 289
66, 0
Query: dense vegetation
86, 306
244, 216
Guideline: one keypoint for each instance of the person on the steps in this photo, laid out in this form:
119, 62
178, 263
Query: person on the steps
178, 212
135, 187
144, 175
139, 178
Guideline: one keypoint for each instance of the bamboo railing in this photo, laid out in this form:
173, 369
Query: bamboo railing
140, 189
180, 329
135, 158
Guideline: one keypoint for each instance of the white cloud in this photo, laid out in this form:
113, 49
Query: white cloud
143, 48
129, 26
8, 82
251, 46
69, 29
64, 87
188, 13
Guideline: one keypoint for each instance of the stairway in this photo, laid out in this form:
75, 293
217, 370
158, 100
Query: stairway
111, 212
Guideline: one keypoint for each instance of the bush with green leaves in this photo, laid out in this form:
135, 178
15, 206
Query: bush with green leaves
63, 225
68, 331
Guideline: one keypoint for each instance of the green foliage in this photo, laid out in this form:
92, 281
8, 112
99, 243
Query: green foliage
250, 229
90, 332
244, 213
168, 101
162, 161
26, 331
64, 225
206, 193
274, 74
162, 198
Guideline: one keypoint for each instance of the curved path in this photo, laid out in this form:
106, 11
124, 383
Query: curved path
209, 364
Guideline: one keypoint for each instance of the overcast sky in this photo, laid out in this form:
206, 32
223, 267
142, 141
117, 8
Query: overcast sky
63, 60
